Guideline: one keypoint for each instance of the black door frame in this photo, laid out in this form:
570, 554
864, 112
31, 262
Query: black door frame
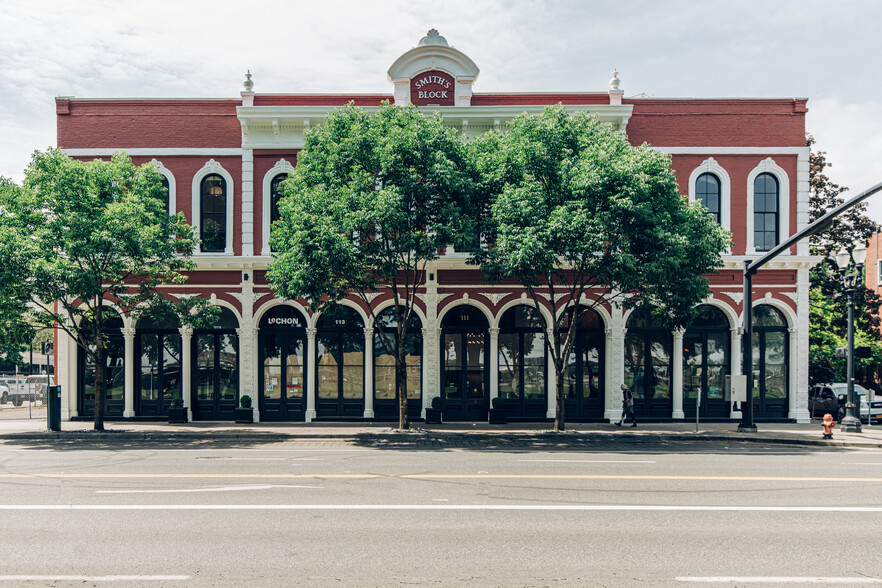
710, 408
283, 409
652, 408
761, 408
217, 409
386, 409
156, 407
464, 409
578, 409
112, 408
341, 406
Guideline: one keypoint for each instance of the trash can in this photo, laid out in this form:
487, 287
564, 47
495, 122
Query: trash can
53, 412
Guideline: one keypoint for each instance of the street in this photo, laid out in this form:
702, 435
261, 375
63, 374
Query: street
364, 513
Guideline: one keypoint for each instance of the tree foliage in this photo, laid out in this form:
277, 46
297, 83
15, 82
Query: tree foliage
372, 200
576, 210
828, 319
79, 236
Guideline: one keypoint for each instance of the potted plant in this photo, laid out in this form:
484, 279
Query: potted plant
497, 413
177, 413
433, 415
244, 414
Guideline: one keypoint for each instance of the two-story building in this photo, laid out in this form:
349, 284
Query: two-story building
223, 160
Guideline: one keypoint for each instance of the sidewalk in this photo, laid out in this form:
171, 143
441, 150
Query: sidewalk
785, 433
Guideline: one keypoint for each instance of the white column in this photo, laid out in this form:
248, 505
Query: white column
552, 379
247, 203
494, 363
737, 365
129, 391
368, 373
310, 373
800, 351
616, 364
67, 370
187, 369
793, 396
677, 391
257, 373
431, 364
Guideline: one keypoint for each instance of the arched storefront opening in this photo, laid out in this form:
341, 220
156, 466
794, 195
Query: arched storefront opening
216, 373
584, 381
648, 365
158, 352
340, 364
385, 342
282, 342
771, 356
522, 363
114, 370
706, 363
465, 343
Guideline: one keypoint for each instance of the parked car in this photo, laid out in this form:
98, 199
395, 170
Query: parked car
828, 398
4, 393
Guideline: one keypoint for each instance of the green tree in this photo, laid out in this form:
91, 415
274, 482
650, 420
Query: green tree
372, 200
576, 210
78, 236
828, 319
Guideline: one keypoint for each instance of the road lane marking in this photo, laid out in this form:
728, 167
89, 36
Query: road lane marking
446, 477
224, 458
779, 580
584, 461
48, 578
467, 507
218, 489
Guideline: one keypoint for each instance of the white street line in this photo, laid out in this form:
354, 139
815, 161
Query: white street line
585, 460
218, 489
243, 458
47, 578
865, 463
468, 507
779, 580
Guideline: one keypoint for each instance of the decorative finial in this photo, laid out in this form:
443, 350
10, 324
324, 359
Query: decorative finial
433, 38
615, 81
249, 85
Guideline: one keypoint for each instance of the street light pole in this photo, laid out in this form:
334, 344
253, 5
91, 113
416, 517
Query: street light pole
850, 266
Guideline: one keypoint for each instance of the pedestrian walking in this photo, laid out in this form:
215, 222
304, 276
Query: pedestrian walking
828, 426
627, 407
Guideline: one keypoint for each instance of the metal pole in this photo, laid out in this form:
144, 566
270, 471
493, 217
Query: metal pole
852, 422
747, 425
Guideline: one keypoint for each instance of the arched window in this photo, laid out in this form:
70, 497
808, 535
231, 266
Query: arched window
340, 363
648, 365
522, 366
165, 185
114, 370
275, 196
158, 351
385, 342
707, 191
771, 354
765, 212
583, 382
213, 214
706, 363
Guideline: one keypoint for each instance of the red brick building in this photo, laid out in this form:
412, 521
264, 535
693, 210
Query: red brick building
746, 159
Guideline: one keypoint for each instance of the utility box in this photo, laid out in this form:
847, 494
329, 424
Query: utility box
53, 412
736, 388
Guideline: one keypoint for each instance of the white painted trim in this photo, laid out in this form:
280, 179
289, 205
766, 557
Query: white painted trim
172, 186
348, 304
546, 315
454, 302
157, 151
281, 167
371, 324
213, 167
710, 166
274, 302
733, 150
769, 166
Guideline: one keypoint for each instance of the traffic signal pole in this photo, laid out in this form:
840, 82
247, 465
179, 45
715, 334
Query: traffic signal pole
751, 267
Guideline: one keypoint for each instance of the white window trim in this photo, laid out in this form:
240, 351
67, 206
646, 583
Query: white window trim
711, 166
172, 187
769, 166
213, 167
281, 167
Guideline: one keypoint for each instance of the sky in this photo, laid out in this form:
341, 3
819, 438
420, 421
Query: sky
821, 50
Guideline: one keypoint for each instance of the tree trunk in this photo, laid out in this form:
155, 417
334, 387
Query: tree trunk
401, 378
100, 385
559, 422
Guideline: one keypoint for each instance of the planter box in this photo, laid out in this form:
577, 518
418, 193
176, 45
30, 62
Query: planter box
433, 416
177, 415
244, 415
497, 416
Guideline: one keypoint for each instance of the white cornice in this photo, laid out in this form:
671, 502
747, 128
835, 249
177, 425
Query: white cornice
261, 132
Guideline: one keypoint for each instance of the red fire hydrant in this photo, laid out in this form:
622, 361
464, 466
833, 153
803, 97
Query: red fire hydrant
828, 423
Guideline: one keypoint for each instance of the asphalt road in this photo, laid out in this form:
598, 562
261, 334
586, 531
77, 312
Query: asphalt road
335, 513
